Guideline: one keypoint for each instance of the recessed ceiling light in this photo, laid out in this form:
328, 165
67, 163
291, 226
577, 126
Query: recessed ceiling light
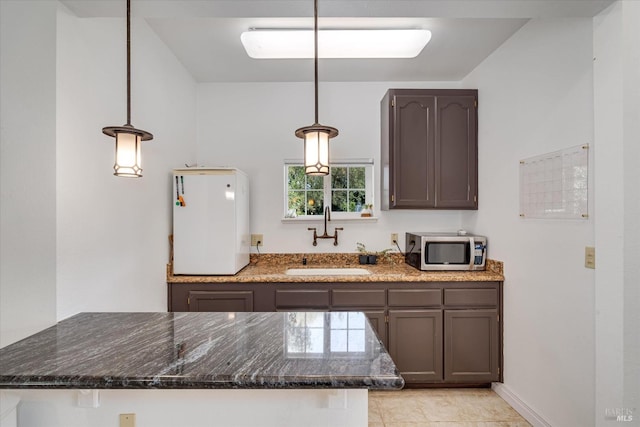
357, 43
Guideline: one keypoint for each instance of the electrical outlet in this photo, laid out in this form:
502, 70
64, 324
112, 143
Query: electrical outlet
257, 240
88, 398
394, 239
127, 420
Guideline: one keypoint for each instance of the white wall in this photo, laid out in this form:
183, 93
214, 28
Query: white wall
251, 126
535, 96
631, 46
608, 92
68, 221
196, 408
27, 168
113, 232
617, 134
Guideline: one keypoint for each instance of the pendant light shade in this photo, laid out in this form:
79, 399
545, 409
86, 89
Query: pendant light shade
128, 154
316, 137
316, 148
128, 158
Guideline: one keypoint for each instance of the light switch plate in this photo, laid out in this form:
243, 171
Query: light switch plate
590, 257
127, 420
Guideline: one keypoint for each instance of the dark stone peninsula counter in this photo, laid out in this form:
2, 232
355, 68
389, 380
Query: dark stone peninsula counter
278, 350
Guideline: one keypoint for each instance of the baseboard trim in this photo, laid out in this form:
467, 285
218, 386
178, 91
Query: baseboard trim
535, 419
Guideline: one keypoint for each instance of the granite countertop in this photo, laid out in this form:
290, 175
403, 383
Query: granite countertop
271, 268
201, 351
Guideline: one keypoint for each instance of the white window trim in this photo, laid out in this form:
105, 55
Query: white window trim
319, 218
339, 216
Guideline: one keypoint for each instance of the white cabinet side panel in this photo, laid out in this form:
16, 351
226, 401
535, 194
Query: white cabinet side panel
243, 233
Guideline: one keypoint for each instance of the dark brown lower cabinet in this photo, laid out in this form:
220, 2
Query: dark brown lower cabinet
415, 344
437, 333
220, 301
471, 347
450, 346
377, 320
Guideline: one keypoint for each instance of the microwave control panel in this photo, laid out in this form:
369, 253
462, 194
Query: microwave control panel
478, 253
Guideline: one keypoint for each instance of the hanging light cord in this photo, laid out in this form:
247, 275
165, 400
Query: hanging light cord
128, 62
315, 54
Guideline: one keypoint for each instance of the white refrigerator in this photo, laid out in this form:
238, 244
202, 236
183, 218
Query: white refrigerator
210, 221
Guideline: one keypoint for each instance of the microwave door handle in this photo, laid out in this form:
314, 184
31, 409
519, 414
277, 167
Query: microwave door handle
472, 249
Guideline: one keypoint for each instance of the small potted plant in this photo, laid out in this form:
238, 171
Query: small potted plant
368, 257
367, 210
363, 257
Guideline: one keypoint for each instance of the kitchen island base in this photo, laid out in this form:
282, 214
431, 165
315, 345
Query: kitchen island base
199, 369
196, 408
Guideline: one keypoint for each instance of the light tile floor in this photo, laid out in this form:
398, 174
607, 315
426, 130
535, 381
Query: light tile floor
441, 408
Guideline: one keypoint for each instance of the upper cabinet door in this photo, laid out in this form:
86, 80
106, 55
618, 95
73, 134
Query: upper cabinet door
412, 179
456, 151
429, 148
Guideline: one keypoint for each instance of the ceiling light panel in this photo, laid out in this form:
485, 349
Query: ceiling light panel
356, 43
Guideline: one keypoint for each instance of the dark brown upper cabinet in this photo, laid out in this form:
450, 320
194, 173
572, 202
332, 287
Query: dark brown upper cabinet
429, 144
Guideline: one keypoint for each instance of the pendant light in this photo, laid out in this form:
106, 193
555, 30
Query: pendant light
128, 161
316, 137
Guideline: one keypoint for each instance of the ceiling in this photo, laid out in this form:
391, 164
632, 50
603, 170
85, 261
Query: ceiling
205, 34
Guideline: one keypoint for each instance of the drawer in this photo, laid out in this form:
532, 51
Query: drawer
415, 297
220, 301
357, 298
471, 297
297, 299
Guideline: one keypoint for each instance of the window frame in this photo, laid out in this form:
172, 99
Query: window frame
369, 188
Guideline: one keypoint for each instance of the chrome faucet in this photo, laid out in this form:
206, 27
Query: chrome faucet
327, 217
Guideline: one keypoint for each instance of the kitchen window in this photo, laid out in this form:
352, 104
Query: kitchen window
347, 189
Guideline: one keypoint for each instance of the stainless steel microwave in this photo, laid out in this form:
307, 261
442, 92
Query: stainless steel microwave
446, 251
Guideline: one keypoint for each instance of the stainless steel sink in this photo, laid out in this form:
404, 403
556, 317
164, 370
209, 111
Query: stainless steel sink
327, 272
